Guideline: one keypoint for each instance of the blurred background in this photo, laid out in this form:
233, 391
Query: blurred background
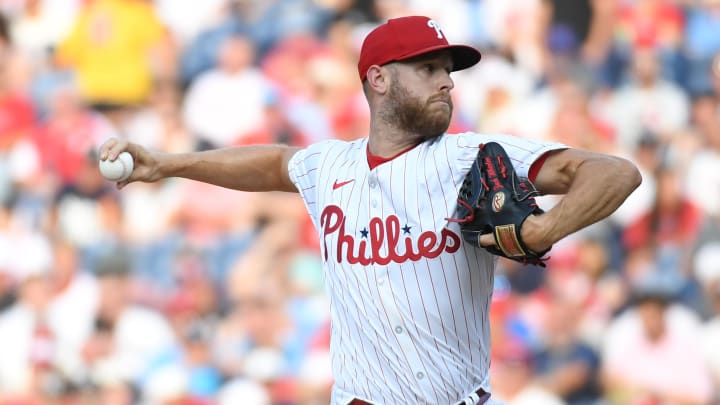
178, 293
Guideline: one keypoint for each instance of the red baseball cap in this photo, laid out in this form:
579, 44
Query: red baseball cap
405, 37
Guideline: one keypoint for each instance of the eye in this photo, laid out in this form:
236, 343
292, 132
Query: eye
428, 67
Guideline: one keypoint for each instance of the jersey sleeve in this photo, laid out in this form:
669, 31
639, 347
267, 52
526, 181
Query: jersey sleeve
304, 170
523, 152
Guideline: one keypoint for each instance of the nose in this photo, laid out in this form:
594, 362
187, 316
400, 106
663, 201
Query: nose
446, 83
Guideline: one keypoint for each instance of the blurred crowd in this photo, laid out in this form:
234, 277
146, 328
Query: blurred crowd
179, 293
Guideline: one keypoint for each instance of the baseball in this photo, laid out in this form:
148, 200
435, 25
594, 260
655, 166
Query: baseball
118, 169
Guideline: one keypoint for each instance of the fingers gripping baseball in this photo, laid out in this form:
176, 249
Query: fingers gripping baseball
143, 165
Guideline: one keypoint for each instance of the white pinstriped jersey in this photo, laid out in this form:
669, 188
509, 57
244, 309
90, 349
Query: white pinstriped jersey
409, 299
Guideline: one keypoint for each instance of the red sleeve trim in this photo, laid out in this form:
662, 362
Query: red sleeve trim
537, 165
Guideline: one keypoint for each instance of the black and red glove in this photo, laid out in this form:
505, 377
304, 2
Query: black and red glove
494, 199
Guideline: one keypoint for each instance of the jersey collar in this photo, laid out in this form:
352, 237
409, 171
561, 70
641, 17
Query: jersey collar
375, 161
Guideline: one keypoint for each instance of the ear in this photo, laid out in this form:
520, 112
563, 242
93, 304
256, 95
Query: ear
378, 78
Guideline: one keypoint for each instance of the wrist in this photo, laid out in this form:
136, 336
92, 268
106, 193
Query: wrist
536, 233
165, 165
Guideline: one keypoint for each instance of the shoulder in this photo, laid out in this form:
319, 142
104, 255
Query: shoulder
463, 139
469, 142
452, 144
473, 139
308, 164
333, 148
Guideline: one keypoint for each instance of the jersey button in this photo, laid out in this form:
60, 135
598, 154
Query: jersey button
381, 281
420, 375
398, 329
372, 183
374, 203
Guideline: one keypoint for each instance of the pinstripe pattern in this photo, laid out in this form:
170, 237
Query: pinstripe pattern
409, 301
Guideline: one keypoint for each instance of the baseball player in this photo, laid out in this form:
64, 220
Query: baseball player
409, 296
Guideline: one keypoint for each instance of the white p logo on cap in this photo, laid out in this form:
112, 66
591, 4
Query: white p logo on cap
434, 25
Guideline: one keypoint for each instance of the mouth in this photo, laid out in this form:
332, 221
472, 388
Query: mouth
442, 100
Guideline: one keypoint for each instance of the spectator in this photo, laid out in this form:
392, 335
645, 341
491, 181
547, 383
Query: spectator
131, 351
186, 19
640, 344
656, 25
86, 212
705, 264
111, 47
16, 111
704, 169
258, 339
574, 124
288, 66
226, 103
599, 289
30, 346
570, 26
39, 28
265, 24
514, 378
104, 370
68, 135
159, 122
668, 229
275, 128
71, 312
543, 104
516, 29
646, 103
566, 366
489, 96
703, 18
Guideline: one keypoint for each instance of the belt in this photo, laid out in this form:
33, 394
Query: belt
478, 397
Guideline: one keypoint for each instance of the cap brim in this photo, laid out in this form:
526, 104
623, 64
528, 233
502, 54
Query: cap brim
463, 56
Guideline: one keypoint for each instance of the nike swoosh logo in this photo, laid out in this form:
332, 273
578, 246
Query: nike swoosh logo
337, 185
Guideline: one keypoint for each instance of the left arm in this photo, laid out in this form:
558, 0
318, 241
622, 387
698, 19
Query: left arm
595, 185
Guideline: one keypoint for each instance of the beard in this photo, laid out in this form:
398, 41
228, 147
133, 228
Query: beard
409, 113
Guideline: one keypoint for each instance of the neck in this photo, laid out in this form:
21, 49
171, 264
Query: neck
387, 140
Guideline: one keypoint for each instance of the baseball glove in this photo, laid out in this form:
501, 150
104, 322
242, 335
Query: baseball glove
494, 199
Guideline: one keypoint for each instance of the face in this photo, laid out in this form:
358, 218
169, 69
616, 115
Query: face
645, 66
418, 99
114, 295
236, 53
261, 316
669, 190
652, 315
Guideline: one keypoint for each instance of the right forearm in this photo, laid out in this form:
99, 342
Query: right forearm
246, 168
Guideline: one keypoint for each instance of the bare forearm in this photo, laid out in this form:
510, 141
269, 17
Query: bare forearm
598, 187
246, 168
